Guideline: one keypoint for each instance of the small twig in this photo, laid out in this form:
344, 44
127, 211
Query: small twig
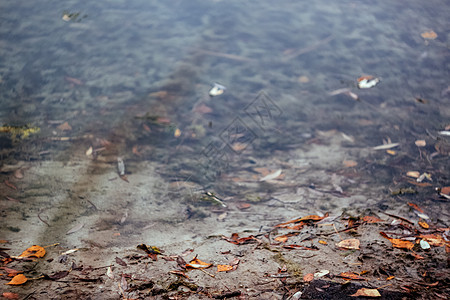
334, 226
43, 221
212, 275
93, 205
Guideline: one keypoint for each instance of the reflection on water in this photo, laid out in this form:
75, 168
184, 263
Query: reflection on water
102, 80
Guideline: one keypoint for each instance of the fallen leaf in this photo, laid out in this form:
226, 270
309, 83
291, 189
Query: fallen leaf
391, 152
196, 263
9, 295
349, 244
420, 143
371, 219
398, 243
349, 163
121, 262
308, 277
386, 146
177, 133
429, 35
224, 268
58, 275
18, 279
243, 205
424, 224
281, 238
351, 276
203, 109
364, 292
65, 127
293, 246
33, 251
235, 239
272, 176
303, 79
413, 174
415, 207
433, 239
179, 273
75, 228
323, 242
73, 80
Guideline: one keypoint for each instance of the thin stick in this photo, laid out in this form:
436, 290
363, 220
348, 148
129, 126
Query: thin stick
212, 275
45, 222
337, 232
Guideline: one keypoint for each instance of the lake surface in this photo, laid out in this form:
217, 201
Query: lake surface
85, 84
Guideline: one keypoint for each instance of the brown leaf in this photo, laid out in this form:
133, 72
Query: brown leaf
18, 279
203, 109
364, 292
235, 239
65, 127
58, 275
121, 262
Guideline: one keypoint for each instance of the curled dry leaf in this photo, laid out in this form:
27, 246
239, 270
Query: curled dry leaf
18, 279
349, 244
365, 292
196, 263
398, 243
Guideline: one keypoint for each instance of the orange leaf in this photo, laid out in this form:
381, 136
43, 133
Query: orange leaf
18, 279
371, 219
33, 251
196, 263
323, 242
351, 276
424, 224
429, 35
364, 292
415, 207
308, 277
433, 239
281, 238
224, 268
398, 243
349, 244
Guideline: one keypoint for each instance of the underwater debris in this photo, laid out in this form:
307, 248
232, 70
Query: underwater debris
217, 90
24, 131
120, 166
367, 82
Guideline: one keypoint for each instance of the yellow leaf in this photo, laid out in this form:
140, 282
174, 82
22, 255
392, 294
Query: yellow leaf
177, 133
33, 251
323, 242
18, 279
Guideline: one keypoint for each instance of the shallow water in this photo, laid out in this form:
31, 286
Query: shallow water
131, 79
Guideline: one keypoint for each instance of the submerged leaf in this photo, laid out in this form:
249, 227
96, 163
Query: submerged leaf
349, 244
33, 251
